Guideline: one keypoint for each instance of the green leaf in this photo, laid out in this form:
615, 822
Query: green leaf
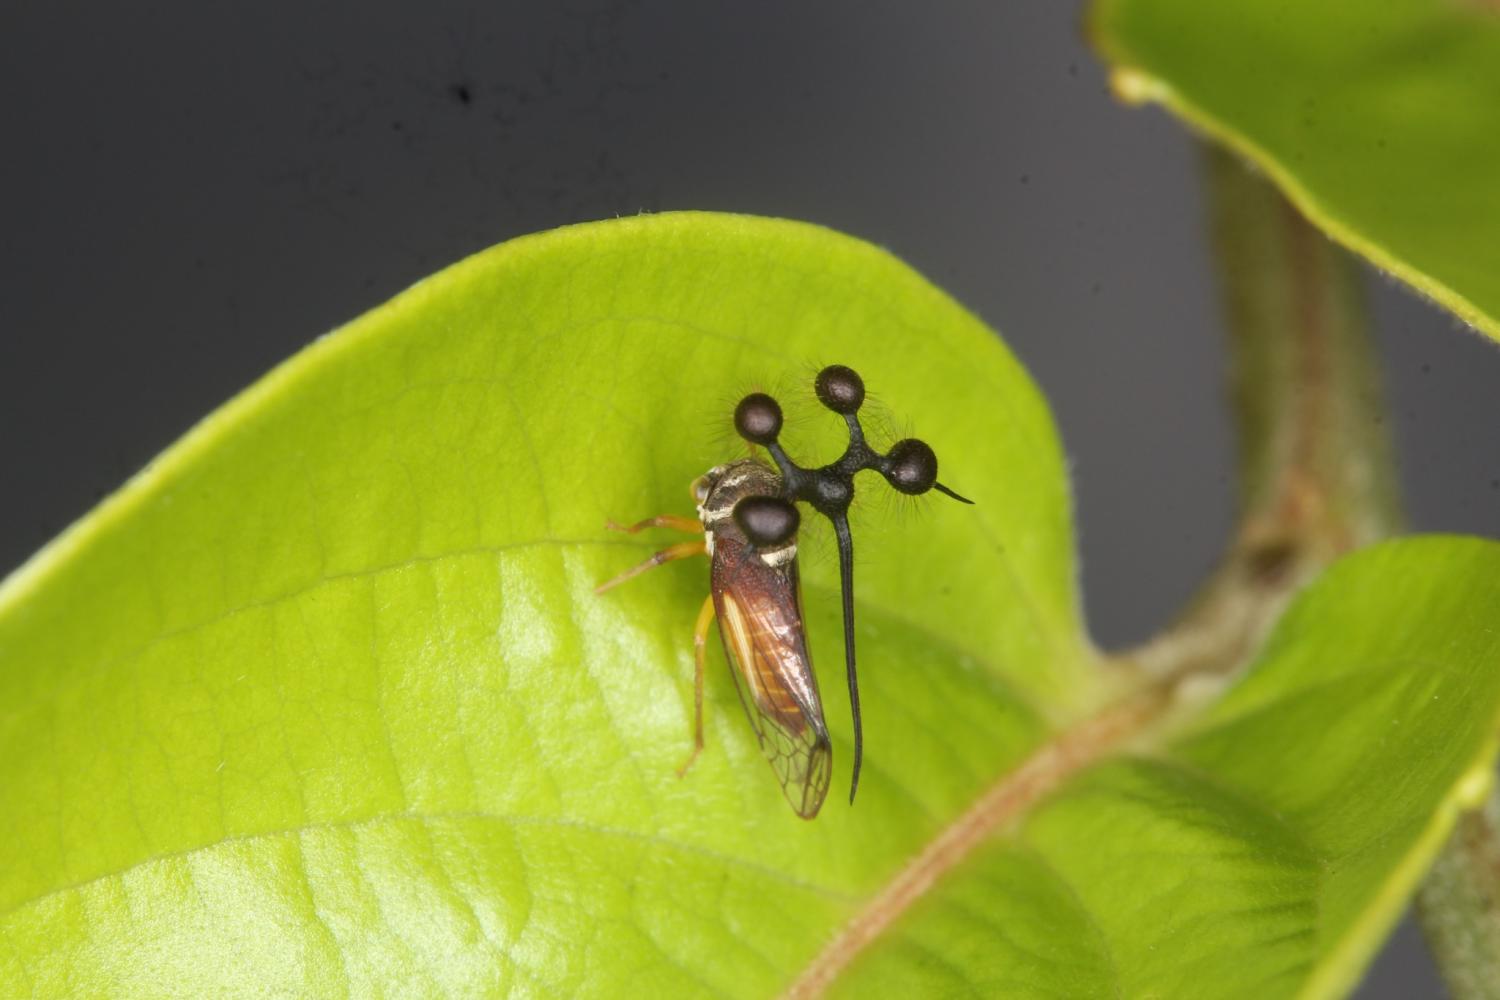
1265, 848
1381, 121
323, 702
324, 697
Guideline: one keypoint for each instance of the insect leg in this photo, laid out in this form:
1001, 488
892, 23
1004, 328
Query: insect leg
689, 525
682, 550
700, 641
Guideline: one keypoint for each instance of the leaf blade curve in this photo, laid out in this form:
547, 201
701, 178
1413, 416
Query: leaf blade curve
358, 601
1379, 122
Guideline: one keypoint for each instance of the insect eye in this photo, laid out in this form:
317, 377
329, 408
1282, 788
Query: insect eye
911, 467
758, 418
840, 389
699, 489
768, 522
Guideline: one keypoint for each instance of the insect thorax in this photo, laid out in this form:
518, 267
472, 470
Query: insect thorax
720, 488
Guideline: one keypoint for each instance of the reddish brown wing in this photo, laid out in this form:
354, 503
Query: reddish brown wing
760, 619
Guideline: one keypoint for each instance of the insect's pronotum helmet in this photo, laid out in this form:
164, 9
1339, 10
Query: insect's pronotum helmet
910, 466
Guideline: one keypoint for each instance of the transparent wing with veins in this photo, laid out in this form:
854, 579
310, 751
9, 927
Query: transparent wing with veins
760, 618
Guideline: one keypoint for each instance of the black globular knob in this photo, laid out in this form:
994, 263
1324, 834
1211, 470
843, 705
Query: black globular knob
911, 467
840, 389
758, 418
768, 522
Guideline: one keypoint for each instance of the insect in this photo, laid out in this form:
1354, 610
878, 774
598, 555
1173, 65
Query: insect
748, 517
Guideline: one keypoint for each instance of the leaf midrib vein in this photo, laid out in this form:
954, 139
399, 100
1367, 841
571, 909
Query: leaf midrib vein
1009, 797
452, 816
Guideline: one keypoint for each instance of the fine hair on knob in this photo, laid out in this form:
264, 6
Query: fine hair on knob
758, 418
910, 466
840, 389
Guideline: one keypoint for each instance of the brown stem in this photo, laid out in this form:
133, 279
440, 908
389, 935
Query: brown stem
1316, 480
1315, 466
1459, 906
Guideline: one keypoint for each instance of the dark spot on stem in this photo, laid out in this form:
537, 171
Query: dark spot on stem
1270, 562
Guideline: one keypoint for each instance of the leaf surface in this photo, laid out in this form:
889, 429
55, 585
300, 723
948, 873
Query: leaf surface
323, 703
1381, 121
1262, 848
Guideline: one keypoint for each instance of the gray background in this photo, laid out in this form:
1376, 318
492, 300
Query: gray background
190, 191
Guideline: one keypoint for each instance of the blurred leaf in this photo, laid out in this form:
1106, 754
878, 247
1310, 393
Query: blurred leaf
1380, 120
322, 702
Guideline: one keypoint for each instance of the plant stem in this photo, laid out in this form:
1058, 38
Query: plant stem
1315, 471
1316, 480
1459, 906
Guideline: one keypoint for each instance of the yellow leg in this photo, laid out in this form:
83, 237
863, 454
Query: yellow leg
682, 550
700, 641
690, 525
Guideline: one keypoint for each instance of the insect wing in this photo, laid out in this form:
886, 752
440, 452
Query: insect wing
760, 618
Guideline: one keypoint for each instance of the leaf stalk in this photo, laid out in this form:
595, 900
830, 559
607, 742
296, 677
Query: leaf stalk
1316, 480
